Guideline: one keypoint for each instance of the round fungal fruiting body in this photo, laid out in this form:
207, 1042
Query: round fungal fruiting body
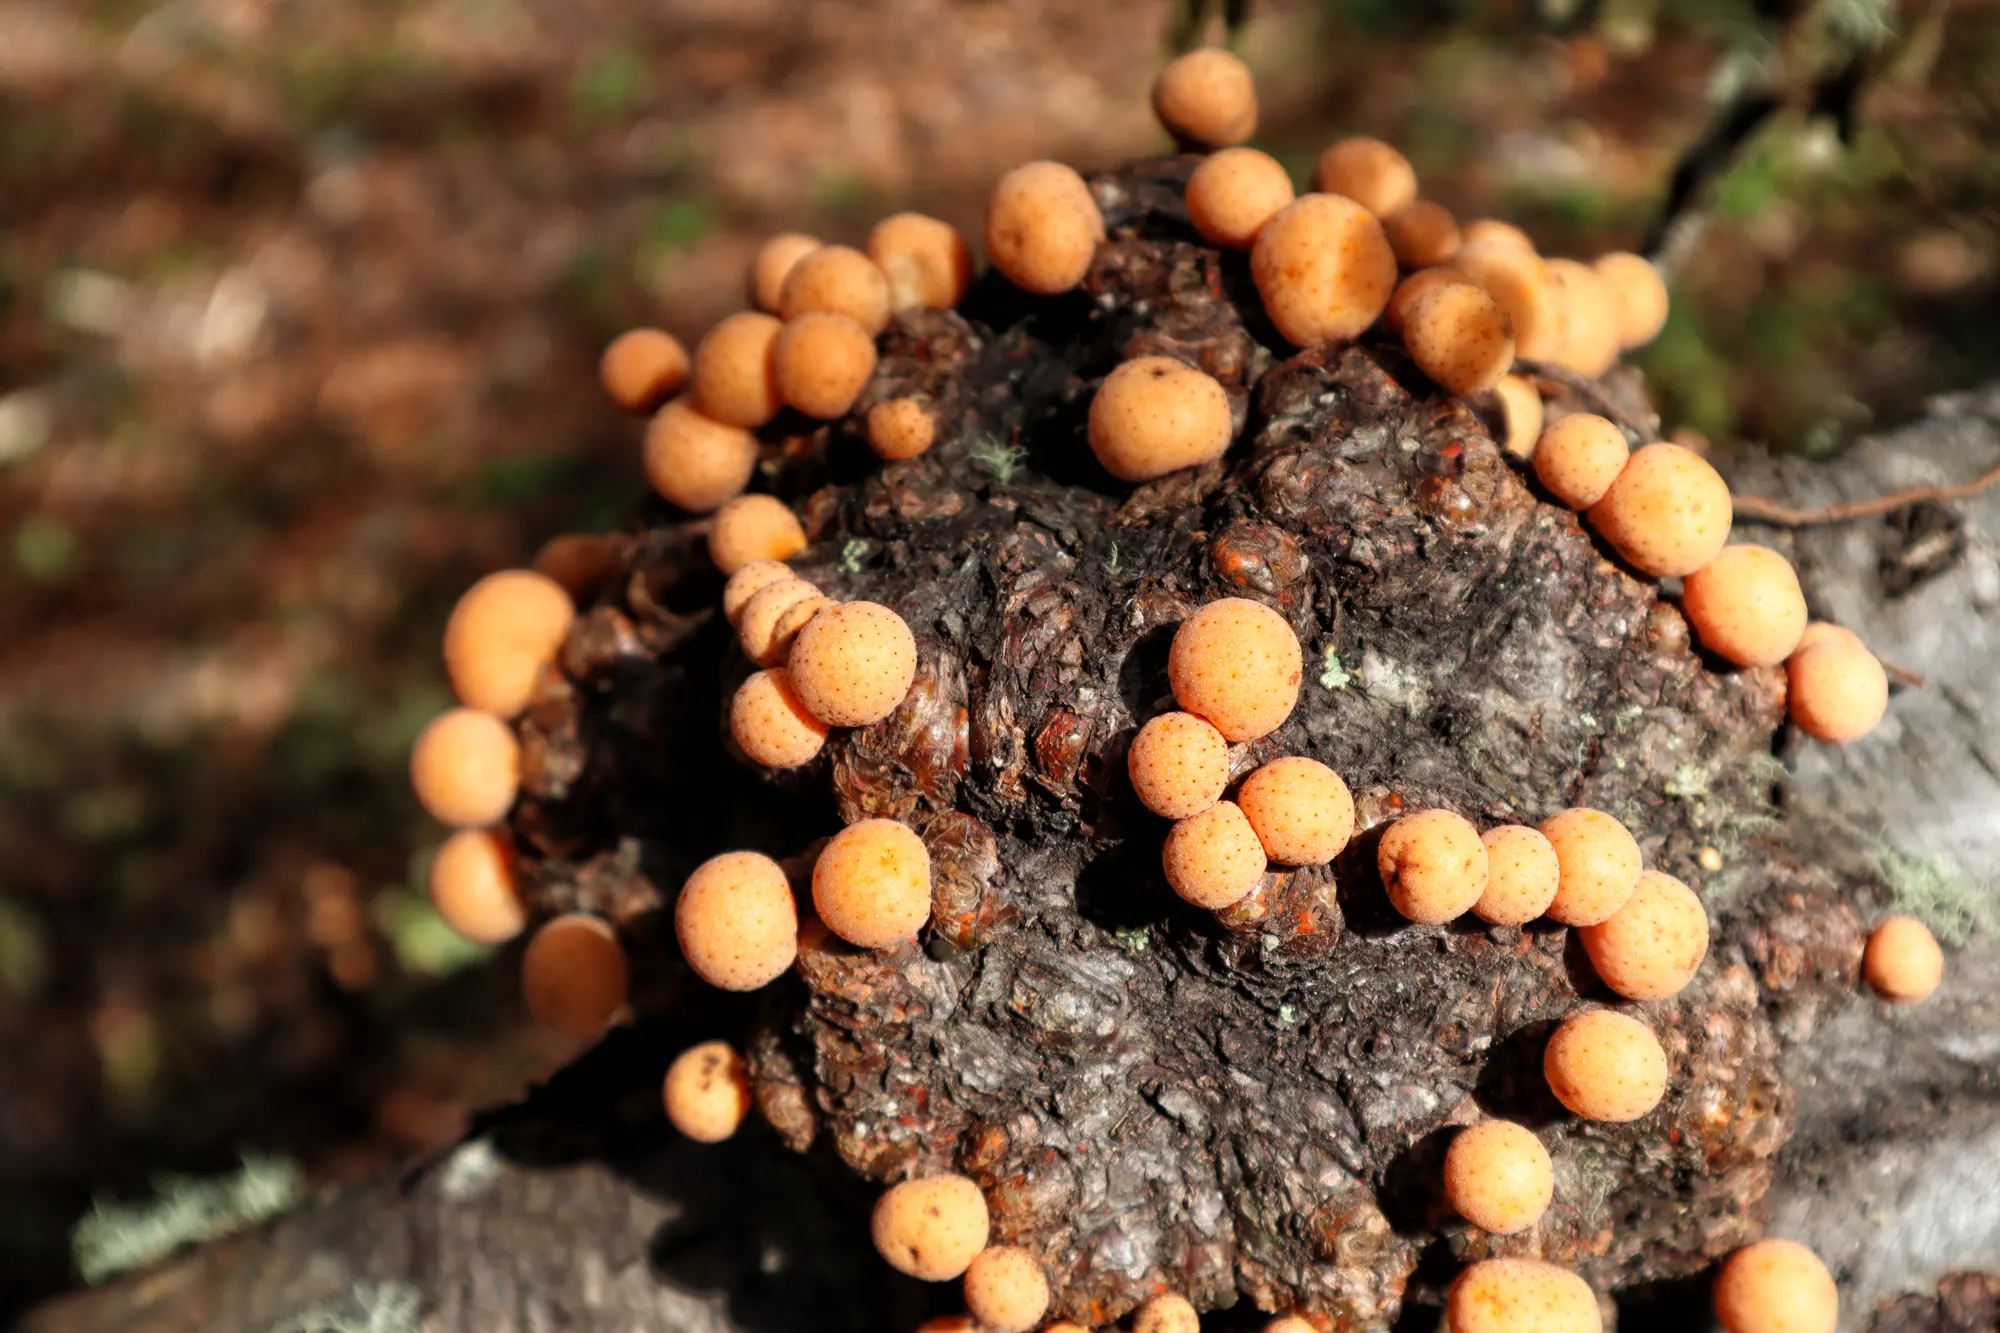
1042, 227
853, 663
931, 1229
1433, 865
770, 725
1638, 295
1902, 961
1323, 268
642, 368
1153, 415
1836, 690
1746, 605
736, 921
1237, 664
840, 280
503, 631
1520, 414
1300, 809
773, 264
1819, 632
1521, 1296
1369, 172
466, 768
1291, 1323
1776, 1286
1179, 765
1600, 864
773, 617
754, 527
1650, 948
1498, 1176
1414, 289
1668, 512
707, 1092
733, 379
1579, 457
695, 461
747, 582
1168, 1312
1460, 337
1207, 99
581, 563
1233, 193
872, 884
1487, 233
1521, 876
1422, 234
926, 262
1521, 283
1213, 859
472, 886
900, 428
822, 361
1590, 342
1006, 1290
574, 975
1605, 1066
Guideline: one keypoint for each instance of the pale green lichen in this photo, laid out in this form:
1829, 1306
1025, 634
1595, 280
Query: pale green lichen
115, 1238
1332, 675
371, 1307
1939, 892
852, 554
993, 456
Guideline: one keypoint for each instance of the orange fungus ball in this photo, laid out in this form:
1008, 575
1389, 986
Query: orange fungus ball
872, 884
733, 378
1606, 1066
1902, 961
1590, 341
1042, 227
747, 582
1179, 765
1498, 1176
1168, 1312
695, 461
927, 263
773, 265
1837, 691
574, 975
1323, 268
754, 527
840, 280
900, 428
1521, 1296
1206, 98
472, 886
465, 768
822, 362
1237, 664
1746, 605
1493, 233
1433, 865
1649, 948
1302, 812
1233, 193
1668, 512
1460, 337
1006, 1290
736, 921
852, 664
1520, 415
1213, 859
707, 1092
1422, 234
1153, 415
1579, 457
1638, 295
581, 563
931, 1229
1521, 876
1776, 1286
1523, 286
503, 631
770, 725
1818, 632
1600, 866
1414, 289
1369, 172
773, 617
642, 368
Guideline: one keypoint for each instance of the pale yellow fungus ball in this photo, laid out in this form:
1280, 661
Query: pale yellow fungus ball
1168, 1312
1323, 268
1837, 692
1302, 812
465, 768
1668, 513
1638, 294
872, 884
1776, 1286
773, 264
1650, 948
822, 362
1746, 605
734, 381
1521, 1296
1153, 415
1492, 232
1043, 227
1433, 865
1605, 1066
1006, 1290
754, 527
642, 368
1600, 864
695, 461
931, 1229
773, 617
1460, 337
900, 428
1521, 876
707, 1092
1902, 961
1207, 98
736, 921
747, 582
1522, 284
926, 262
1369, 172
473, 888
1590, 343
852, 664
770, 725
1213, 859
1579, 457
1520, 415
1179, 765
840, 280
503, 631
1237, 664
574, 975
1498, 1176
1422, 234
1233, 193
1414, 289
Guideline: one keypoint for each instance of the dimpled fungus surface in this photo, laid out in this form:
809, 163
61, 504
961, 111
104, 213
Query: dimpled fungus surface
1042, 227
707, 1092
853, 663
754, 527
1237, 664
822, 361
840, 280
1153, 415
1460, 337
736, 921
1006, 1290
1179, 765
1207, 98
472, 886
574, 975
1746, 605
1606, 1066
872, 884
926, 262
503, 631
1902, 961
900, 428
733, 381
1498, 1176
1433, 866
1668, 512
695, 461
1600, 865
1650, 948
1323, 268
1579, 457
1213, 859
465, 768
1521, 1296
1233, 193
641, 368
1837, 691
769, 723
1300, 809
931, 1228
1776, 1286
1521, 875
1368, 171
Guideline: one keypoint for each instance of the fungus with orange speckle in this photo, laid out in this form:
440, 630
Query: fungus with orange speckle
773, 617
1042, 227
931, 1228
1206, 99
1369, 172
1006, 1290
1604, 1065
734, 381
1300, 809
1521, 283
1590, 317
1668, 512
900, 428
770, 725
872, 884
1600, 865
1903, 962
1521, 1296
574, 975
1836, 689
1746, 605
1323, 268
1213, 859
642, 368
1233, 193
737, 924
1236, 664
773, 264
707, 1092
1433, 865
465, 768
1649, 948
473, 888
695, 461
747, 582
751, 528
1776, 1286
1413, 289
503, 631
853, 663
1579, 457
1422, 234
840, 280
1153, 415
926, 262
821, 362
1169, 1312
1522, 875
1179, 765
1498, 1176
1460, 337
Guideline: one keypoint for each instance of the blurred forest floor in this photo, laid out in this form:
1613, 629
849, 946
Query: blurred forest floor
300, 302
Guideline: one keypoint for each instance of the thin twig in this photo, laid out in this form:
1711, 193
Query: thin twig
1904, 676
1778, 514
